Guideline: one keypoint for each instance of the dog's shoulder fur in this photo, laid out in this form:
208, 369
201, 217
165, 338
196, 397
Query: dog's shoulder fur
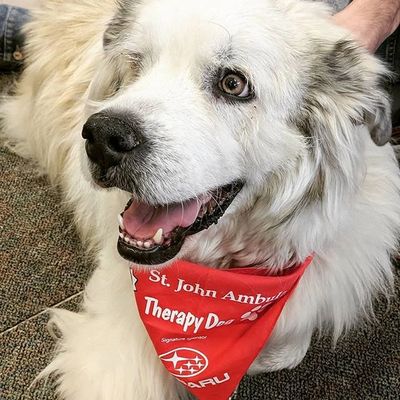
64, 49
338, 199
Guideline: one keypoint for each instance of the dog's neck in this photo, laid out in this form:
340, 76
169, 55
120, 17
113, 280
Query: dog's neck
278, 230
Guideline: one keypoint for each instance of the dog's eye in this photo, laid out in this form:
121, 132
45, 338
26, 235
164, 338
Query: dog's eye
235, 84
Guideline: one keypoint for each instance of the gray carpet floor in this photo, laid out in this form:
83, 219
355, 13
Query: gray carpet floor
42, 265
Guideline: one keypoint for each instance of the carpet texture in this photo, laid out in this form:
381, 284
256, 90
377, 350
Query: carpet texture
42, 265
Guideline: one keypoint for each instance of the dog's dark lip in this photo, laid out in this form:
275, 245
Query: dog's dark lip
156, 256
164, 253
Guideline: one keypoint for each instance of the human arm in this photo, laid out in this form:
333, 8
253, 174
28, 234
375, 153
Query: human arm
370, 21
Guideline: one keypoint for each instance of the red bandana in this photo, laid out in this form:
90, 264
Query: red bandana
209, 325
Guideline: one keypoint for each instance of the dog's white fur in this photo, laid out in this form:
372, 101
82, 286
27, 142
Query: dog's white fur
339, 200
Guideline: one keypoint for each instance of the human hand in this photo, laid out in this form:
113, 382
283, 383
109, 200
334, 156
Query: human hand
370, 21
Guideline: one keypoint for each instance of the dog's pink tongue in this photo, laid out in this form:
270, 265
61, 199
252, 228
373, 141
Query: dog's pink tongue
142, 221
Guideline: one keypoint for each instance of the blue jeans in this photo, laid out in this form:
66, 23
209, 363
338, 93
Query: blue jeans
12, 19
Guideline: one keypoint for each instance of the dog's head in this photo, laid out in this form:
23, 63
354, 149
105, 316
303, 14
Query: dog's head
202, 107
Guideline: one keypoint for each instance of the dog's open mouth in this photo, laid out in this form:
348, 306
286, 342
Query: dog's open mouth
152, 235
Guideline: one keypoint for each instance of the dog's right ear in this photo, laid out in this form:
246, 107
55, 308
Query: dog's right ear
113, 72
119, 24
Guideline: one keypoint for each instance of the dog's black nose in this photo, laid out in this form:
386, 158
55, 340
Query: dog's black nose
109, 136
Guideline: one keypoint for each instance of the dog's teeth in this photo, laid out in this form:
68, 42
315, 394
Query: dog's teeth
121, 235
121, 222
147, 244
139, 243
126, 239
158, 237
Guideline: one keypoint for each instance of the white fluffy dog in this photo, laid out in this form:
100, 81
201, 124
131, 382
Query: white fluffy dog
265, 106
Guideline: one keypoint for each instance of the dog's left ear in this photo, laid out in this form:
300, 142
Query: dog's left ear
380, 123
346, 88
